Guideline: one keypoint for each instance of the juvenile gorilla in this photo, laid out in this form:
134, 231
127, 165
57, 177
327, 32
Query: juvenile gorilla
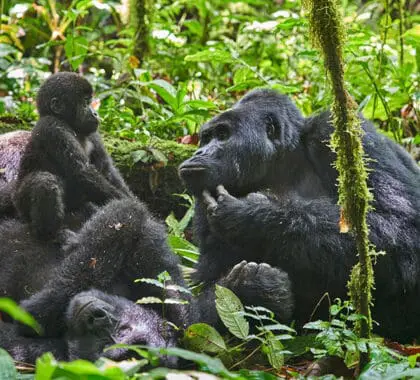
64, 168
95, 320
278, 205
120, 243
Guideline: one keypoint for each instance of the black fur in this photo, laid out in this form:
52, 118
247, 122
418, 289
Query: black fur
120, 243
64, 166
280, 208
95, 320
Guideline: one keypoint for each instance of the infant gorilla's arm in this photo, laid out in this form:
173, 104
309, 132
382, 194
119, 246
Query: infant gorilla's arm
72, 162
103, 162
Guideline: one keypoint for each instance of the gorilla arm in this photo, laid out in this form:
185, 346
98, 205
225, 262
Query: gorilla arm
261, 224
74, 164
103, 163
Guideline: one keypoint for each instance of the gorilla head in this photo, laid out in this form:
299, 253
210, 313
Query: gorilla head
239, 148
97, 320
68, 97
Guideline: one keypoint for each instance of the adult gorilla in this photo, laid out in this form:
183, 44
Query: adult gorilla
120, 243
278, 205
95, 321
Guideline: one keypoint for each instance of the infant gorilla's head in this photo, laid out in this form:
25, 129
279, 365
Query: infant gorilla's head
97, 320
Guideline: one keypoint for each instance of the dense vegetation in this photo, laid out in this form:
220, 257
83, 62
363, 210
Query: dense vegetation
160, 69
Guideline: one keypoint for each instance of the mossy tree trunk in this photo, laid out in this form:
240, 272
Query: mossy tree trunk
327, 32
140, 12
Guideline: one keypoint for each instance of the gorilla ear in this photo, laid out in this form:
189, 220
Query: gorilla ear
272, 128
56, 106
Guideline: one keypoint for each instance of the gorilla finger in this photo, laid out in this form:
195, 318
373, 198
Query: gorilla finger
265, 268
234, 275
250, 270
222, 193
209, 201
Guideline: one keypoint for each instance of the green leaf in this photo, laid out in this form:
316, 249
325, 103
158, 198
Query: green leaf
229, 308
242, 75
201, 104
202, 337
212, 365
166, 91
159, 156
183, 248
17, 313
210, 55
139, 155
149, 300
286, 89
76, 49
273, 348
150, 281
289, 24
6, 50
7, 366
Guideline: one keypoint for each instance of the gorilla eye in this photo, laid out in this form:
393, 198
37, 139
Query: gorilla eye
205, 138
222, 132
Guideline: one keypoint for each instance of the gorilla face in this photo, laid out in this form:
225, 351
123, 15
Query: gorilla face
68, 97
97, 320
87, 119
238, 147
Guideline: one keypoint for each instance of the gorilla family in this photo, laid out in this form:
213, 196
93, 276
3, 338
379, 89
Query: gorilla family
95, 321
266, 193
64, 171
64, 174
120, 243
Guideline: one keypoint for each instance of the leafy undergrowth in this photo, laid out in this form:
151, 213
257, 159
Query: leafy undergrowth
255, 346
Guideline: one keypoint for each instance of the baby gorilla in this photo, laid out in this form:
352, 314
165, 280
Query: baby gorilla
95, 321
64, 168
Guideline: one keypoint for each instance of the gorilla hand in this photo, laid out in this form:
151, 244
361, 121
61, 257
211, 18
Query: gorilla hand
262, 285
226, 213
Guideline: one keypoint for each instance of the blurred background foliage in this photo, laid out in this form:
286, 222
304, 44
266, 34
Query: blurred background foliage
162, 67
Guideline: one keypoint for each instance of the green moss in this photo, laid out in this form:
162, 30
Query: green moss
327, 32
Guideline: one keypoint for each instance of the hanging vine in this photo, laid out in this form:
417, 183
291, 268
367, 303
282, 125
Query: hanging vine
327, 32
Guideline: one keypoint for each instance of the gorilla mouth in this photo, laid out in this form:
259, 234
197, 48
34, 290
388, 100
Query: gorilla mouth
191, 169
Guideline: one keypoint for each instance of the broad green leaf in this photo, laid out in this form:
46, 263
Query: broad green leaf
17, 313
159, 156
166, 91
289, 24
6, 50
242, 75
274, 350
203, 338
49, 368
286, 89
212, 365
139, 155
201, 104
183, 248
7, 366
229, 308
210, 55
76, 49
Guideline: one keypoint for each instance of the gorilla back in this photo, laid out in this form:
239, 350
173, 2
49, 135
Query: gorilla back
279, 206
120, 243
